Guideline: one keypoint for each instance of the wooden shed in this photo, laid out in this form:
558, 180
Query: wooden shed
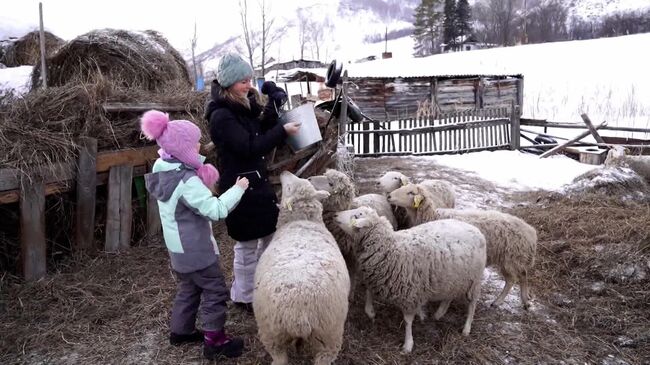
397, 89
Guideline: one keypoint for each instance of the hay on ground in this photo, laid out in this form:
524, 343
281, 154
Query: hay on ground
27, 50
142, 60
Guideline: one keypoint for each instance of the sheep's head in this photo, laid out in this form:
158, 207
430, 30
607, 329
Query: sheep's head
339, 185
295, 190
391, 181
356, 220
408, 196
615, 154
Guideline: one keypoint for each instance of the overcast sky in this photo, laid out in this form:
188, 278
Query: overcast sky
217, 20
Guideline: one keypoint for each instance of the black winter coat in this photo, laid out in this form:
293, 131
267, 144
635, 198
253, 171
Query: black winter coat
242, 138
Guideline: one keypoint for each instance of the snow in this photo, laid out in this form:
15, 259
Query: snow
590, 9
16, 79
605, 78
516, 170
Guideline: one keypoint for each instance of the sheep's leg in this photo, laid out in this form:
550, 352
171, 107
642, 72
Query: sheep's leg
442, 309
326, 344
524, 291
422, 315
408, 338
369, 308
506, 289
470, 316
324, 358
279, 355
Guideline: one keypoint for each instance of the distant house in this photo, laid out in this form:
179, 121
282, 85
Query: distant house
463, 43
289, 65
408, 88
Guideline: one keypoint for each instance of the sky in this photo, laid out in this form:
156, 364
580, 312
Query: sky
216, 20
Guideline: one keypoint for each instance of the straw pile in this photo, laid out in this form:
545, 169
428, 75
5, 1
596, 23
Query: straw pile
142, 60
27, 51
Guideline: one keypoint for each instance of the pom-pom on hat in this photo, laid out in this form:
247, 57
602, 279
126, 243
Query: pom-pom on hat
178, 138
232, 68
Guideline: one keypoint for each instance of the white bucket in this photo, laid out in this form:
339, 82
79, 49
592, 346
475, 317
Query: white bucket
308, 133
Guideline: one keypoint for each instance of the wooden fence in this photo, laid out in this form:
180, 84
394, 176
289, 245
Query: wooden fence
453, 132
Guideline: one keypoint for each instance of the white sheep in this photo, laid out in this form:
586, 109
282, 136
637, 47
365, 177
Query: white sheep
616, 157
511, 242
301, 281
342, 197
436, 261
442, 190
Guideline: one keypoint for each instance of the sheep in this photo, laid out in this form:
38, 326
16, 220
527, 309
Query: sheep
511, 242
342, 197
435, 261
301, 281
441, 189
640, 164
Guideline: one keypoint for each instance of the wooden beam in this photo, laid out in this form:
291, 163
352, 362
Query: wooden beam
86, 193
544, 123
32, 229
140, 107
515, 140
592, 130
569, 142
133, 157
295, 158
119, 212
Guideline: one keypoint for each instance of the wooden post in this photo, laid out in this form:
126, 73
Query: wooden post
514, 127
343, 117
592, 129
559, 148
153, 217
42, 41
32, 229
520, 94
86, 193
119, 213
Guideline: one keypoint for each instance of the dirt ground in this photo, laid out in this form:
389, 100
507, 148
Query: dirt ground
590, 286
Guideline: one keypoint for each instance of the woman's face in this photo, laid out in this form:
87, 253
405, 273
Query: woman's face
242, 87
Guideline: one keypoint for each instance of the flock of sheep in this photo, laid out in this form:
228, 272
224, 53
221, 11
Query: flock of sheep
407, 247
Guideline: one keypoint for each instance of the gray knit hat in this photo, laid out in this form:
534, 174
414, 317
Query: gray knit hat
232, 68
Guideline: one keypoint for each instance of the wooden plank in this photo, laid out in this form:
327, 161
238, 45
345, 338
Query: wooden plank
514, 127
133, 157
569, 142
32, 229
592, 129
115, 107
119, 211
295, 158
86, 193
544, 123
154, 226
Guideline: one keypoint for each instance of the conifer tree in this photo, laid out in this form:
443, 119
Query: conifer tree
426, 31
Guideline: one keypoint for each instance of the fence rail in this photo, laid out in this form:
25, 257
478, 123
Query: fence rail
456, 132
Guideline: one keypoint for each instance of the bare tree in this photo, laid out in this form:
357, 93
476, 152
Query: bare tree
193, 44
317, 32
304, 27
249, 35
495, 21
269, 34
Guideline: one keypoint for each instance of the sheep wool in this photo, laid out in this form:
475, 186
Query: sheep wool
436, 261
301, 281
616, 157
511, 242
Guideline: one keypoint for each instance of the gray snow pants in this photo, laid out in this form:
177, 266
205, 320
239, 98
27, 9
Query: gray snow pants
205, 288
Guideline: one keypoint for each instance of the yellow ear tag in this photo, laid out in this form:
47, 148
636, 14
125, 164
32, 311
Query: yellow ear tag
405, 180
353, 222
287, 205
417, 200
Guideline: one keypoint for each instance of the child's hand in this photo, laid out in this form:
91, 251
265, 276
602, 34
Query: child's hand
242, 182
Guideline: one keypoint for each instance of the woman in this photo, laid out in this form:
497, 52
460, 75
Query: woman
243, 134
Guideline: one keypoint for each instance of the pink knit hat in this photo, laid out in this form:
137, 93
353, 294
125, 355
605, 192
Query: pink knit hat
178, 139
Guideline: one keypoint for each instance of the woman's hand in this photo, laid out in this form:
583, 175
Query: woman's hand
292, 128
242, 182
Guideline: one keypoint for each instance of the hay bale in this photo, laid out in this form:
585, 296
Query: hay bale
609, 181
141, 60
42, 127
27, 50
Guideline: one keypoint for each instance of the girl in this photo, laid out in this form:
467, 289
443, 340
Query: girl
181, 183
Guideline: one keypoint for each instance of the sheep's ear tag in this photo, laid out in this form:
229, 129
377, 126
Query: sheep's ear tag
287, 205
417, 200
353, 222
405, 181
